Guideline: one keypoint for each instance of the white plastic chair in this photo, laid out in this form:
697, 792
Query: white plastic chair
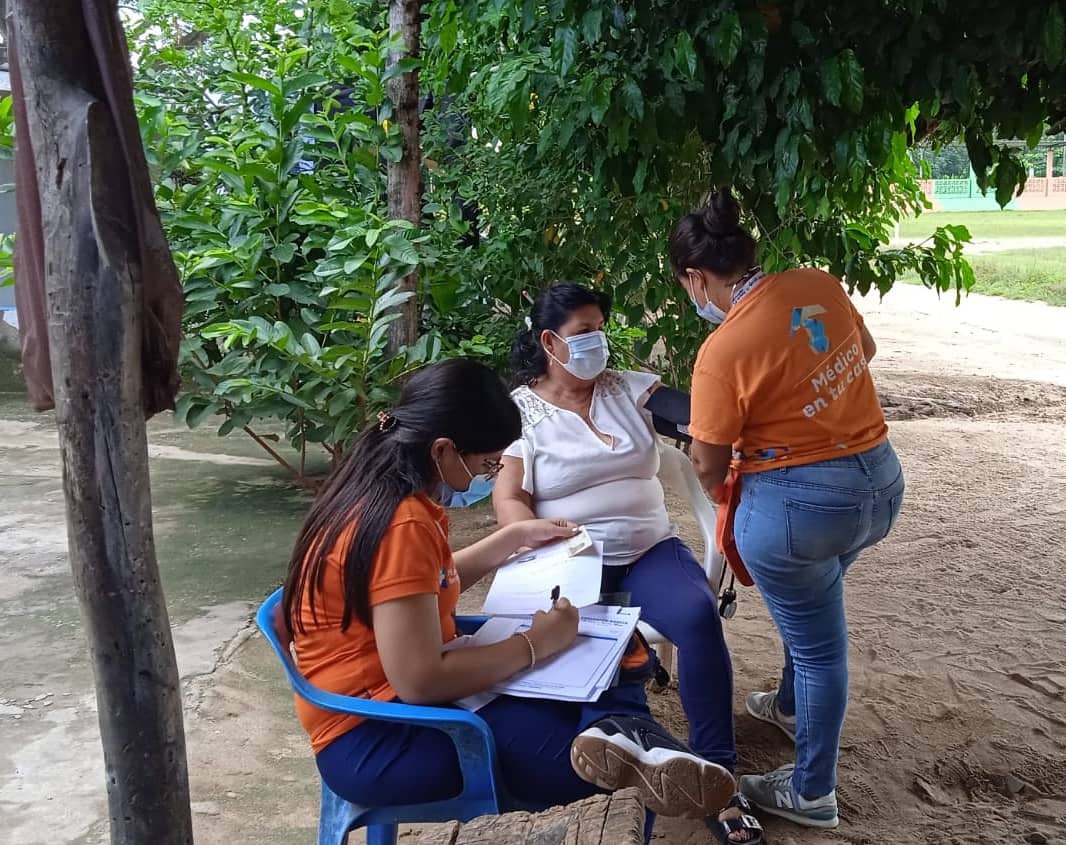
679, 476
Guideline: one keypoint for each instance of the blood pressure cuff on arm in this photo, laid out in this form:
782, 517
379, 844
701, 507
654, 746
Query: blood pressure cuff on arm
671, 413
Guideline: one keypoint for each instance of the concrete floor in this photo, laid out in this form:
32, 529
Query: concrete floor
224, 518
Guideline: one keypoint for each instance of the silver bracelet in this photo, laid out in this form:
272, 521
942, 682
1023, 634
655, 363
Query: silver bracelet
532, 651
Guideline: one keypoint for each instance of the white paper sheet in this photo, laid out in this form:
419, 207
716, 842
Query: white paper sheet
524, 586
583, 671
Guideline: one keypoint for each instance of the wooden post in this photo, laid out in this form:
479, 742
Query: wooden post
94, 288
405, 175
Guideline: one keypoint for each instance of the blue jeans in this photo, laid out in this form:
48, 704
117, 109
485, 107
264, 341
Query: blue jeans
798, 530
671, 589
385, 763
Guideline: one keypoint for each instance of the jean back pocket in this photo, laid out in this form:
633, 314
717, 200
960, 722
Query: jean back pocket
820, 532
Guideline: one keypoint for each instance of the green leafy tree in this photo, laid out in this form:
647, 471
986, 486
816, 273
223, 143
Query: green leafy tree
602, 121
269, 127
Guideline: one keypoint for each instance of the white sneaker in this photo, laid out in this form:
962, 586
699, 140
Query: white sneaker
620, 751
763, 706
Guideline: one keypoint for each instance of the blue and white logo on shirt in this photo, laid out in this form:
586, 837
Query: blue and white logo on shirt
806, 318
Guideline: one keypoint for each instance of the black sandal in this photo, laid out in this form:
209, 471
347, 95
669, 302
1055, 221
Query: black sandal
722, 828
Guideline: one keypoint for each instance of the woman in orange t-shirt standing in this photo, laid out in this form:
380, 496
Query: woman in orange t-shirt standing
370, 598
782, 391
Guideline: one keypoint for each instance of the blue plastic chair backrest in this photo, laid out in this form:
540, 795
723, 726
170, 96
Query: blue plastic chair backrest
271, 621
472, 737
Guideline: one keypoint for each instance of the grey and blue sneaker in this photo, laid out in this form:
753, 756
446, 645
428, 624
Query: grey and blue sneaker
774, 793
621, 751
763, 706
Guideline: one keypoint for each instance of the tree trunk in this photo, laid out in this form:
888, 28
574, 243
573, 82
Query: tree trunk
405, 175
95, 289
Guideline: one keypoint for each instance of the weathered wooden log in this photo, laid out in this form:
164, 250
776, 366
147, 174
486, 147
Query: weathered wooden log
94, 289
616, 819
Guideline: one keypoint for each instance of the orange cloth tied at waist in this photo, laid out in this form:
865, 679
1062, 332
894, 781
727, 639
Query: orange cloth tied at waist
727, 513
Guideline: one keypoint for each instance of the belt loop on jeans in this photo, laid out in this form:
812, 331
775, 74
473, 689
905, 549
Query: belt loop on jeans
860, 459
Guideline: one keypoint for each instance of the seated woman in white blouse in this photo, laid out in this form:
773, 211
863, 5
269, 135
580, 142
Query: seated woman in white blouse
588, 453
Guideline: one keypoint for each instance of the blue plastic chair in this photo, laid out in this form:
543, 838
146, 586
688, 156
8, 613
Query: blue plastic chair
482, 794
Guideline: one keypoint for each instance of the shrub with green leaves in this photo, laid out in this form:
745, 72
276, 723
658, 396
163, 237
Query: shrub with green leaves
269, 128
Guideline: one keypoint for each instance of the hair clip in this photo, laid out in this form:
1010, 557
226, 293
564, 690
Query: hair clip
386, 421
529, 323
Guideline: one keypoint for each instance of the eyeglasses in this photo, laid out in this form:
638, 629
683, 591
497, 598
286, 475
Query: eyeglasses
490, 469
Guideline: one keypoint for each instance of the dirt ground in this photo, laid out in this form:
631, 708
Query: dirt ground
956, 729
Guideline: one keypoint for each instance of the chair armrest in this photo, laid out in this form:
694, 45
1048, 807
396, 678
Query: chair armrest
676, 472
473, 740
469, 624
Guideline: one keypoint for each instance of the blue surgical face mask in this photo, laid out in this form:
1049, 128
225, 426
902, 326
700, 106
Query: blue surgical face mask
708, 311
588, 355
480, 488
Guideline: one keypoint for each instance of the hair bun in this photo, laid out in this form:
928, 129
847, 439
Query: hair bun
721, 214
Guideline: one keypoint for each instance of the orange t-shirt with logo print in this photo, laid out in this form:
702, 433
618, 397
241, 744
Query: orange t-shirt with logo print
414, 558
784, 379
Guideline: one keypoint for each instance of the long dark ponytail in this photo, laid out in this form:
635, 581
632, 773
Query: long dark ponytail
459, 399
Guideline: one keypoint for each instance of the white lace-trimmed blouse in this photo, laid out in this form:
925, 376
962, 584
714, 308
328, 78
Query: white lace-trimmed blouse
612, 489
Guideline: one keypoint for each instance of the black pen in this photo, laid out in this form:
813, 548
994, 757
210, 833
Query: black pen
555, 594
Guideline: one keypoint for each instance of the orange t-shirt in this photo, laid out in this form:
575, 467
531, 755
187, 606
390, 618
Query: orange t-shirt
784, 379
414, 558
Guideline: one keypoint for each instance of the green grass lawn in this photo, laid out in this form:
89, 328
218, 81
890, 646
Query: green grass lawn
1034, 275
990, 225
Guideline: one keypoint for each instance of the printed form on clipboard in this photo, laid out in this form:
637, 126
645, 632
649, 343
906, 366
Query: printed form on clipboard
580, 673
523, 585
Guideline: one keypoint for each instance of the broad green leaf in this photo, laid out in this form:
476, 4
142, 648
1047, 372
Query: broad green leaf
182, 406
960, 233
592, 25
685, 55
729, 36
449, 35
299, 83
284, 252
1010, 178
564, 49
640, 174
853, 81
601, 101
403, 251
633, 99
259, 82
529, 15
198, 413
296, 111
391, 299
210, 262
832, 81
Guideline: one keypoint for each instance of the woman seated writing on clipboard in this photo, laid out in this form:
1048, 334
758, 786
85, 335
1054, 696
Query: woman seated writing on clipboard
370, 598
588, 452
